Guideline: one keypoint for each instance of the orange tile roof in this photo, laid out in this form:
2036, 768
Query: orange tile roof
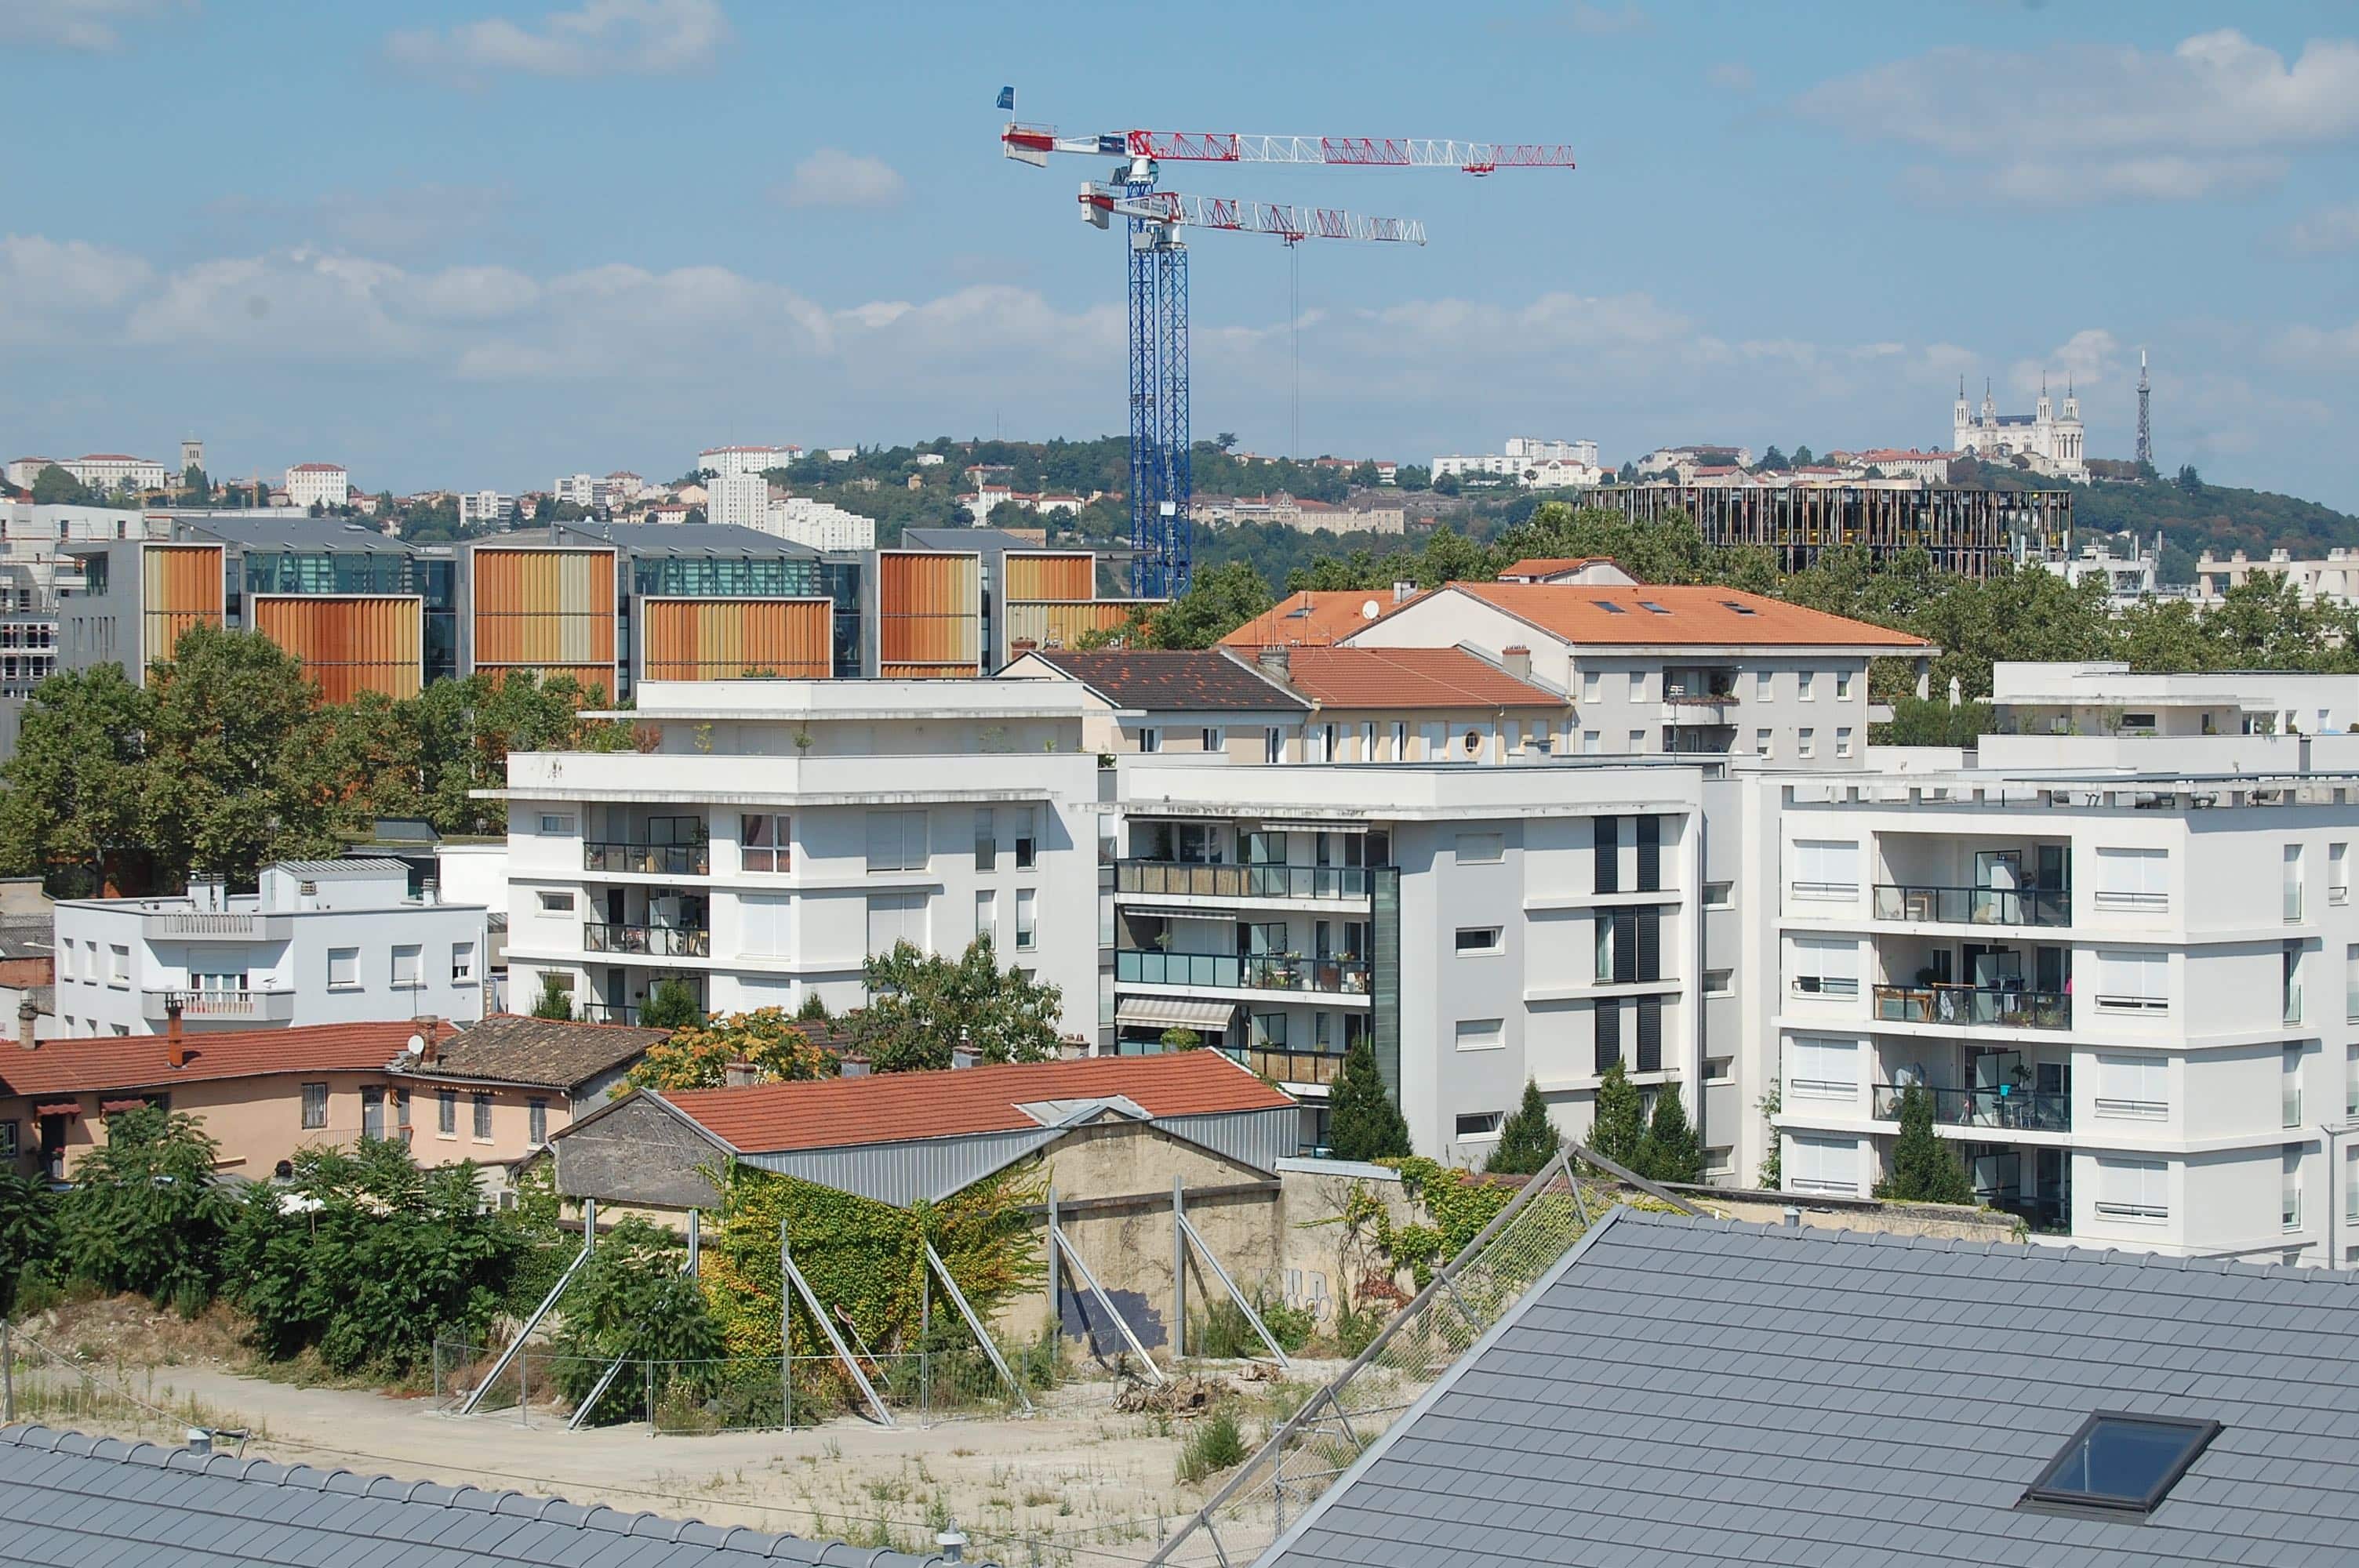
1313, 618
1410, 677
140, 1061
1703, 616
892, 1107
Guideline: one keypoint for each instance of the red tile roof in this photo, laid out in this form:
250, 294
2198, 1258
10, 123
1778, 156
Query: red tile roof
318, 468
1312, 620
892, 1107
141, 1062
1701, 616
1410, 677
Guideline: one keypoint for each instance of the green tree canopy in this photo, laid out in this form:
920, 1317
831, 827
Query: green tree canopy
922, 1006
146, 1212
1528, 1139
77, 785
1925, 1166
1363, 1122
1223, 599
1619, 1127
698, 1055
1670, 1151
670, 1005
27, 1233
555, 1001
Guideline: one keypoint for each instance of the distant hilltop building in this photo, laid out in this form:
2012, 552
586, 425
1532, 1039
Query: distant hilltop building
2048, 444
1530, 461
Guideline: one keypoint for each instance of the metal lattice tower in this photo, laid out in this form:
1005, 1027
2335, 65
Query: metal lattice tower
1159, 469
2145, 431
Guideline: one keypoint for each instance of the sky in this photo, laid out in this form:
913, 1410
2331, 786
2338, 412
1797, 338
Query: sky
482, 244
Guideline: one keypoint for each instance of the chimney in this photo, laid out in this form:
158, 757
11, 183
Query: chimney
1403, 591
1276, 662
28, 1015
176, 1045
201, 1442
737, 1075
1793, 1217
429, 891
1517, 661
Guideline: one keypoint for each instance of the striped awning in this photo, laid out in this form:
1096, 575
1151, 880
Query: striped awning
1170, 1011
1133, 911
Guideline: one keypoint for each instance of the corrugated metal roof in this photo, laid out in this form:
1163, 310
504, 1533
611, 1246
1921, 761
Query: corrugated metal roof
68, 1500
1714, 1395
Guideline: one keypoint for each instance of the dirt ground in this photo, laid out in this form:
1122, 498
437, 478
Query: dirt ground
1076, 1484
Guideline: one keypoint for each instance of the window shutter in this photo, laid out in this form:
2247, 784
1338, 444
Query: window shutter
1650, 1035
1650, 854
1609, 1033
1626, 946
1650, 945
1609, 854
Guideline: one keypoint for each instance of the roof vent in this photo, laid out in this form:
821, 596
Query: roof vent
1276, 662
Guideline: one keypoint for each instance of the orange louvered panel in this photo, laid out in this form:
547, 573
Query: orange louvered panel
930, 614
1064, 576
348, 642
1063, 625
729, 639
545, 609
180, 587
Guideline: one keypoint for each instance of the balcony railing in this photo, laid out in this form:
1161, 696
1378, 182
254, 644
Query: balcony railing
238, 925
1339, 977
654, 941
259, 1006
649, 860
2007, 1109
1973, 906
1181, 878
1287, 1067
604, 1012
1968, 1005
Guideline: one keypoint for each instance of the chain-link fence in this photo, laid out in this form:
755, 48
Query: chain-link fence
42, 1385
1308, 1452
940, 1380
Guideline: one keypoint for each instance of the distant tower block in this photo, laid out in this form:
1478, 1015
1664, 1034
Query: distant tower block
192, 454
2145, 431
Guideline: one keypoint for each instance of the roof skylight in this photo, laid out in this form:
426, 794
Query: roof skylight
1611, 607
2122, 1464
1649, 604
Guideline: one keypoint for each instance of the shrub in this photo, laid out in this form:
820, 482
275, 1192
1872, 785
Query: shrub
146, 1213
632, 1300
1216, 1444
1365, 1123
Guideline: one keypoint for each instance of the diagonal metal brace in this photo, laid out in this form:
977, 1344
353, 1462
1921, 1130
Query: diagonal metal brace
1105, 1303
515, 1346
1188, 1228
843, 1354
975, 1325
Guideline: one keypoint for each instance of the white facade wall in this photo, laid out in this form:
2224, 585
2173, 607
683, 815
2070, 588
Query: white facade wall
738, 500
731, 461
486, 508
818, 523
317, 485
110, 470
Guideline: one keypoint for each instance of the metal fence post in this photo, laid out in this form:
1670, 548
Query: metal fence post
652, 1428
925, 1347
8, 1373
524, 1387
786, 1333
1178, 1270
1055, 1296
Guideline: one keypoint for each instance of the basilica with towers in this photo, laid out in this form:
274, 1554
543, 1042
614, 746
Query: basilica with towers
2048, 443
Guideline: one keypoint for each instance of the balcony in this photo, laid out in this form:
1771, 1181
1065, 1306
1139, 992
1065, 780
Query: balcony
1180, 879
649, 860
225, 925
649, 941
1686, 707
1973, 906
1228, 971
1968, 1006
2005, 1108
213, 1006
1280, 1066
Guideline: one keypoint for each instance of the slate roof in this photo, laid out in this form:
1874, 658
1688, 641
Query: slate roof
67, 1499
1408, 678
892, 1107
142, 1061
510, 1048
1313, 618
1706, 1394
1691, 616
1191, 680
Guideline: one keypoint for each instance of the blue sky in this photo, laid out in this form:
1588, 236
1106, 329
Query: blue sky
482, 244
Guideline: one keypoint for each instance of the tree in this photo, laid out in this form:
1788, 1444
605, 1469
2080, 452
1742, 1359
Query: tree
1179, 1037
27, 1233
814, 1009
1925, 1166
922, 1006
556, 1000
631, 1299
78, 779
1226, 440
1921, 721
1528, 1140
194, 486
2188, 480
1772, 461
1365, 474
1670, 1152
1802, 458
698, 1055
55, 487
671, 1005
1618, 1130
1223, 599
1363, 1122
146, 1212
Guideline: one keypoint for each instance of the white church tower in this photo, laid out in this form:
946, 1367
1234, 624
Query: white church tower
2050, 444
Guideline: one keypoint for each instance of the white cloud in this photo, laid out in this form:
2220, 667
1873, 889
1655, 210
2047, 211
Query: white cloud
2318, 343
53, 290
89, 27
2085, 359
2216, 115
602, 37
833, 177
2326, 231
1732, 74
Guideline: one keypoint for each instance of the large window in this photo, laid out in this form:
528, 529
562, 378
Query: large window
536, 1121
1028, 926
896, 840
1478, 939
1818, 1067
315, 1107
1824, 1165
2135, 1086
1481, 1033
986, 840
2133, 878
446, 1112
2133, 1189
2130, 982
766, 842
1826, 966
1028, 839
1826, 868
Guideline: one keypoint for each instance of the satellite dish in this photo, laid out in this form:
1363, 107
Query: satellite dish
417, 1045
1369, 611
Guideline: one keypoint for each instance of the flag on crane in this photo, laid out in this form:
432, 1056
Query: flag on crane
1008, 99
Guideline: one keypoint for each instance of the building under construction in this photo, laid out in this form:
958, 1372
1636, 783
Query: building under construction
1968, 532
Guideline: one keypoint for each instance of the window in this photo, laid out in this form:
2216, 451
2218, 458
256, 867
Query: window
1818, 1067
2133, 1086
557, 903
2133, 878
1478, 939
897, 841
1719, 1069
1637, 686
409, 966
2293, 881
2289, 1191
2123, 1464
1637, 741
986, 915
1367, 741
2351, 983
2133, 1189
1803, 687
1480, 1123
482, 1116
1481, 1033
446, 1112
986, 840
894, 918
1028, 839
2290, 983
766, 924
1400, 741
1720, 895
1764, 684
536, 1121
1843, 685
2337, 873
1591, 740
1826, 868
1028, 929
1824, 1165
2133, 982
1806, 744
1608, 1028
2289, 1076
1720, 1159
1592, 685
557, 822
1481, 848
1474, 741
343, 968
9, 1146
1843, 742
1273, 744
118, 966
1826, 966
1150, 740
315, 1107
1719, 982
1762, 743
766, 842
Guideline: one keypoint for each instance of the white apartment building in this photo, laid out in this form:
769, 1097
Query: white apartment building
2133, 998
113, 471
738, 500
317, 485
1531, 461
581, 489
728, 461
2335, 578
319, 942
23, 471
485, 509
2103, 698
781, 832
818, 523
